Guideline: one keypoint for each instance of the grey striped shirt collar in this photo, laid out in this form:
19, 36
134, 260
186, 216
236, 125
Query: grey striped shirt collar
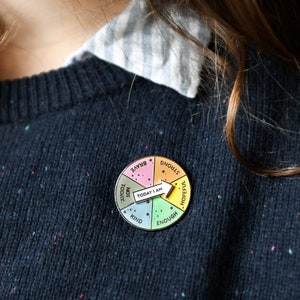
148, 48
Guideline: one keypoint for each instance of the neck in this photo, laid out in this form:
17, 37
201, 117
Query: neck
46, 32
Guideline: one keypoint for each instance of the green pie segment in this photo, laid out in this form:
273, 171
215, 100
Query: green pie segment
164, 213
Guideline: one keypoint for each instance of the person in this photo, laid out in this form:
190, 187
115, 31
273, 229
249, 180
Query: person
87, 87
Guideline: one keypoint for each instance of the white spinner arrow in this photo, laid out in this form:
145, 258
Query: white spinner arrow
156, 190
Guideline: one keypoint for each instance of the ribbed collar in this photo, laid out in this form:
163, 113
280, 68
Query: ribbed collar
27, 98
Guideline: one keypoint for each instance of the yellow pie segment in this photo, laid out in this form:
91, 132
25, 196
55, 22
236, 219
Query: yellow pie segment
180, 196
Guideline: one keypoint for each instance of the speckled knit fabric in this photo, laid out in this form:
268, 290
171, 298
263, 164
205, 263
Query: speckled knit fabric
66, 135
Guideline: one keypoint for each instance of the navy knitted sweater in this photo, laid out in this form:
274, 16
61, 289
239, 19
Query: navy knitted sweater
66, 135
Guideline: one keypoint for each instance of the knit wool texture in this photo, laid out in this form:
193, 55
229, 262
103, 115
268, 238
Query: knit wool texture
66, 135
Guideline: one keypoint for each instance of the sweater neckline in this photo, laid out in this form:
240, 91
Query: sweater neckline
26, 98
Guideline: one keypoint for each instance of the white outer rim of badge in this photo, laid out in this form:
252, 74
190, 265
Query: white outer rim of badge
152, 193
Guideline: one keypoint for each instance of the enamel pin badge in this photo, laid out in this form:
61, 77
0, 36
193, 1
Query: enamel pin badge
152, 193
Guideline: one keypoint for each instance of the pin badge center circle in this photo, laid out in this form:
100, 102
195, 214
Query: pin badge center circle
152, 193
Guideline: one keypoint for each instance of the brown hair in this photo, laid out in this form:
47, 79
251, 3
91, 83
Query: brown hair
4, 35
270, 26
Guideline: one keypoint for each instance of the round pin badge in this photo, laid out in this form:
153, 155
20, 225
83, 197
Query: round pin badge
152, 193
